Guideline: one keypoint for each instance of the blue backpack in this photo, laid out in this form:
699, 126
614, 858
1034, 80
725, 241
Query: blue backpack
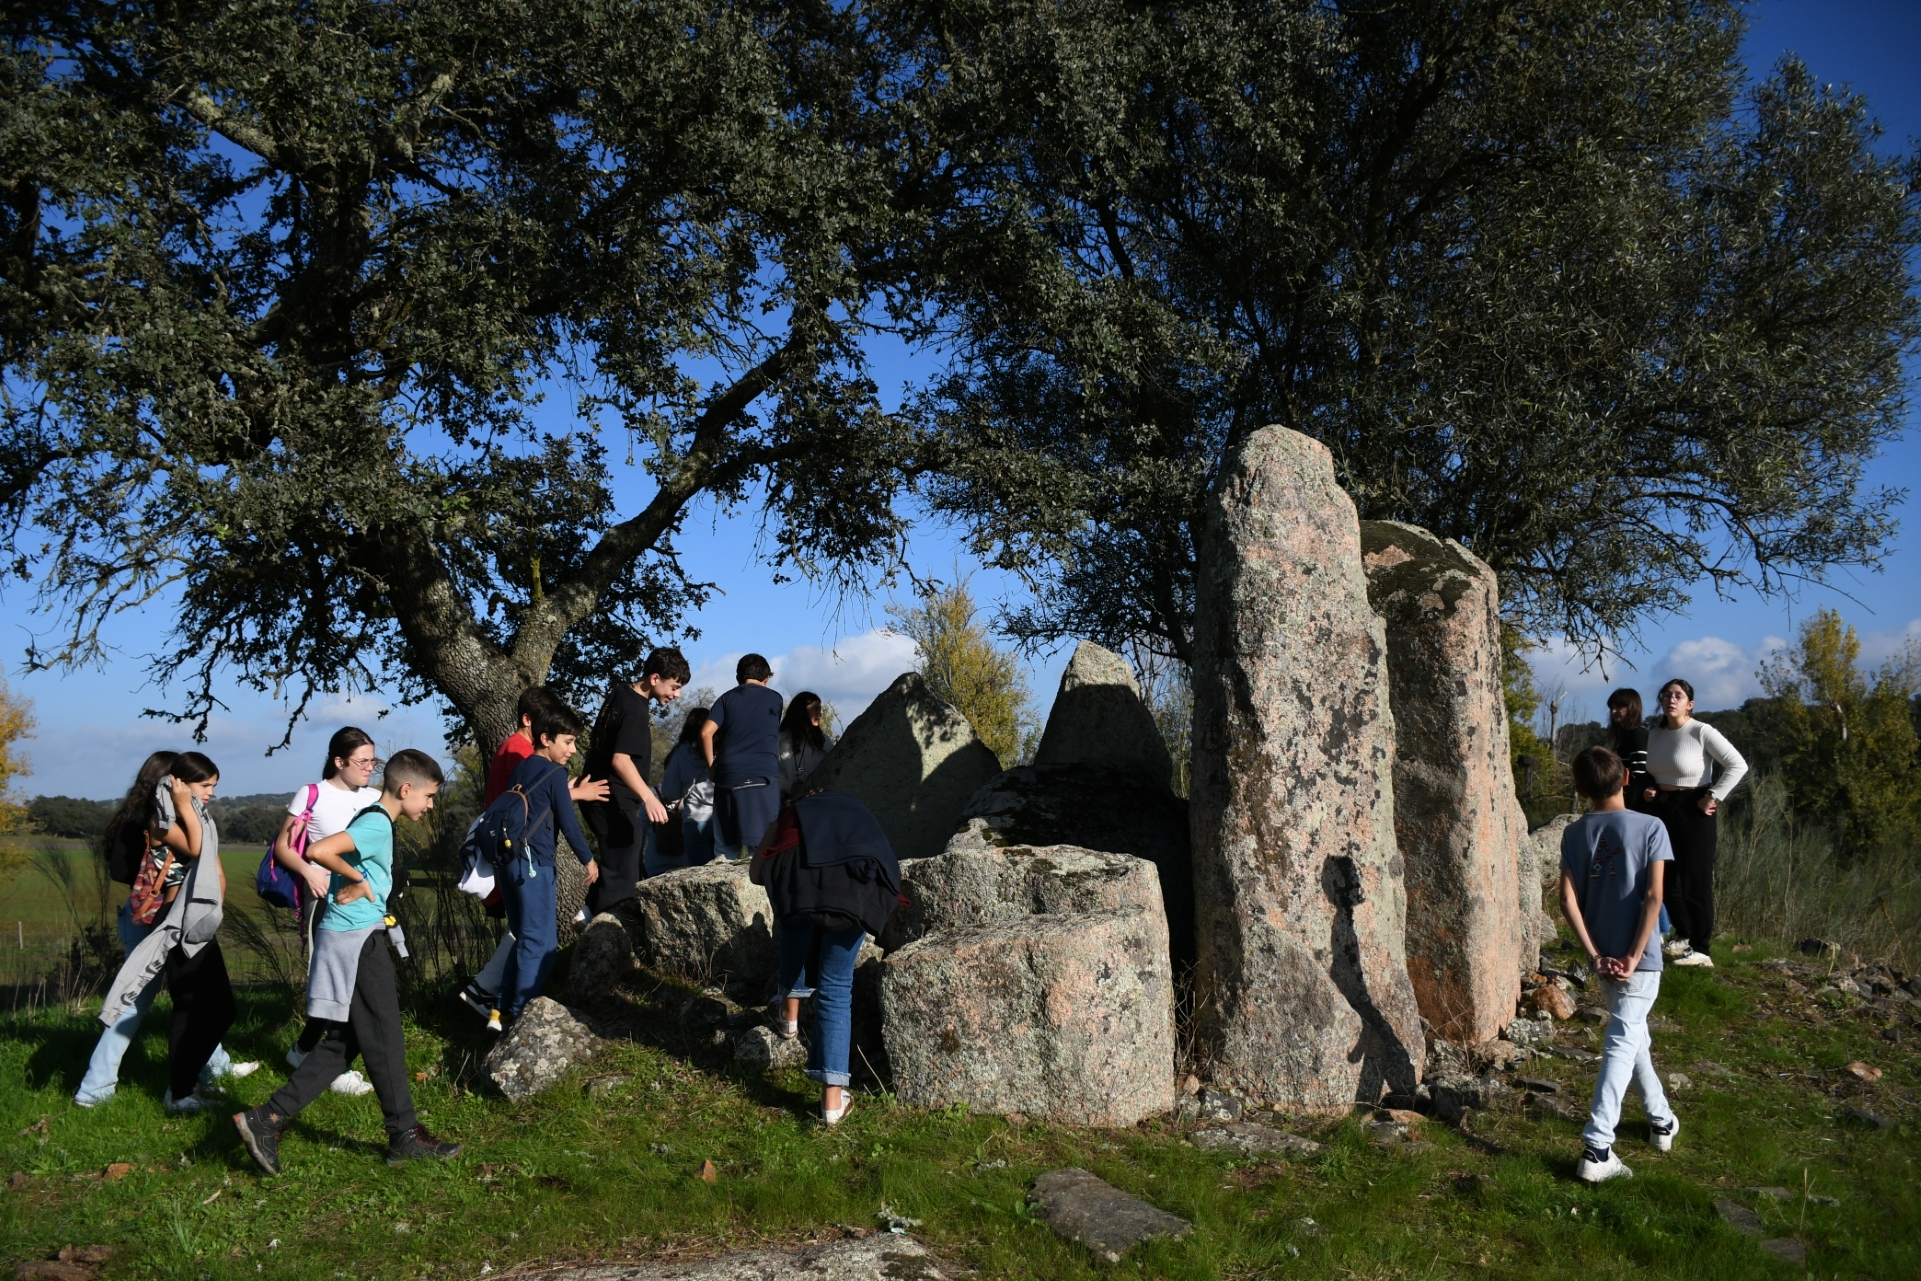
499, 836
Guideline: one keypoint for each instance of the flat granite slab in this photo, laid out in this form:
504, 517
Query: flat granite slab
1253, 1139
880, 1257
1081, 1207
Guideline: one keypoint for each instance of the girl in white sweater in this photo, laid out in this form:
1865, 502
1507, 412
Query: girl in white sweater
1694, 768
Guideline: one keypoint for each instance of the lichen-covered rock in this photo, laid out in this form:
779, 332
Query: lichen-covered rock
1537, 927
883, 1256
708, 923
914, 760
978, 884
1083, 1207
1454, 805
541, 1047
1095, 807
1455, 1096
1299, 901
1251, 1138
1545, 846
603, 959
761, 1049
1098, 719
1070, 1018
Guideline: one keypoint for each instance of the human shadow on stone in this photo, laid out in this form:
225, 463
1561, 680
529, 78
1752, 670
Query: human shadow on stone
1386, 1064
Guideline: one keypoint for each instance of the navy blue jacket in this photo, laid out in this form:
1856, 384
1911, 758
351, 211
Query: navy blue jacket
545, 783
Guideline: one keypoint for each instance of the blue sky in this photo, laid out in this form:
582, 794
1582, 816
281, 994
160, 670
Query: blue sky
91, 734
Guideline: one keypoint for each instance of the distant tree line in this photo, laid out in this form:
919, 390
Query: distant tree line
241, 820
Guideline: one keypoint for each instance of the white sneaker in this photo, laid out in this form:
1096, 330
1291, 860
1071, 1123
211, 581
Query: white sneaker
194, 1102
239, 1070
1677, 947
351, 1082
1695, 958
1614, 1167
295, 1056
1664, 1139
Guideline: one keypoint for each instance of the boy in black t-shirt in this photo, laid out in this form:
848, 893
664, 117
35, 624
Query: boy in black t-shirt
741, 741
622, 751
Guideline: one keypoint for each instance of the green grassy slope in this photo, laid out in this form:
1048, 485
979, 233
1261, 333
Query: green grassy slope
575, 1175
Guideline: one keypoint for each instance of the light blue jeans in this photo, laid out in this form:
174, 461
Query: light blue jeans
103, 1069
1625, 1059
832, 990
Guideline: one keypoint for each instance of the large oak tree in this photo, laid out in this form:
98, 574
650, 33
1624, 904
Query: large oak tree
338, 321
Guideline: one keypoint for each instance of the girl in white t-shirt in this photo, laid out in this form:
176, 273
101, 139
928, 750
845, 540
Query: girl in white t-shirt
329, 805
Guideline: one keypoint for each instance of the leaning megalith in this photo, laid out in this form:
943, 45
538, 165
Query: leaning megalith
1098, 719
914, 760
1064, 1017
979, 884
1121, 810
1454, 805
1302, 989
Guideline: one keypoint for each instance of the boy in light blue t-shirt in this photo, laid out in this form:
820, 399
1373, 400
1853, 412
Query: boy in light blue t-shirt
351, 978
1612, 871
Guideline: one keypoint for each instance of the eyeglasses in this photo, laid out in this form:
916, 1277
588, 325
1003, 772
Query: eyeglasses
365, 762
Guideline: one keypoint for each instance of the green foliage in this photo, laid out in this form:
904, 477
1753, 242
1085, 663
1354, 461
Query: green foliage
283, 287
1846, 738
69, 817
1537, 274
962, 665
16, 723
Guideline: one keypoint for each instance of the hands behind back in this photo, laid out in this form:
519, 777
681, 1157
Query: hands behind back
353, 890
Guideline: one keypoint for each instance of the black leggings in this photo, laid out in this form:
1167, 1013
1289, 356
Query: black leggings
203, 1010
1690, 881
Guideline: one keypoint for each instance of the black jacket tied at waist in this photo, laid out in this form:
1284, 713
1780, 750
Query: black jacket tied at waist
830, 863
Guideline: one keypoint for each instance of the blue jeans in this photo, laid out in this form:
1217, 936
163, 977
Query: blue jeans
529, 894
1625, 1058
832, 989
103, 1069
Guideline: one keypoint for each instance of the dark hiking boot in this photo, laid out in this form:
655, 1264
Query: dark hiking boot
418, 1143
258, 1132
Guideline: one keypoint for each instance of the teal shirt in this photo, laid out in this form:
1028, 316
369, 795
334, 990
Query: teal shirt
373, 857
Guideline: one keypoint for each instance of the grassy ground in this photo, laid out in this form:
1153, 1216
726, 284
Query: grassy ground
614, 1173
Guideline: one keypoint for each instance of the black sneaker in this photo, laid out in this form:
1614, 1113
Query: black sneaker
478, 1000
418, 1143
261, 1138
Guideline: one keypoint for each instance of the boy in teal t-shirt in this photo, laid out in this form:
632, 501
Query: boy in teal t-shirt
351, 978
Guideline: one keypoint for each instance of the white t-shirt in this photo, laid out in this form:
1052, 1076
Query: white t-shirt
333, 808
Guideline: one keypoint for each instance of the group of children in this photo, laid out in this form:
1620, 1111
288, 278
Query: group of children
722, 785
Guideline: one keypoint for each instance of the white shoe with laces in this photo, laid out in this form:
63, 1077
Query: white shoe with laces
1696, 958
1609, 1167
1664, 1139
351, 1082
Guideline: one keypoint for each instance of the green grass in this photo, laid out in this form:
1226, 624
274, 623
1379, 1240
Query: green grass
571, 1176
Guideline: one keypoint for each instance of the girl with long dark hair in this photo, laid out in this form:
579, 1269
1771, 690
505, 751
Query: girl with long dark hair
317, 811
128, 840
1693, 768
184, 885
803, 743
1628, 736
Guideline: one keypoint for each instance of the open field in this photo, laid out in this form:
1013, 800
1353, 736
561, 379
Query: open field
575, 1176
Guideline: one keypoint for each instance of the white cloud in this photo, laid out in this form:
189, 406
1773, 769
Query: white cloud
1721, 672
847, 674
1878, 647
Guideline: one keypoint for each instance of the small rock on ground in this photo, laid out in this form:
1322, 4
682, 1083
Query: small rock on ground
880, 1257
1738, 1217
1253, 1139
1788, 1250
1084, 1208
761, 1049
542, 1045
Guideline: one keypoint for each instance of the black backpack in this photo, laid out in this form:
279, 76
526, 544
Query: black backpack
500, 836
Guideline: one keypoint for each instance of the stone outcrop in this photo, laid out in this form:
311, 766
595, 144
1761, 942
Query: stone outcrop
1303, 994
989, 885
603, 959
1098, 719
1070, 1018
761, 1049
541, 1047
1540, 871
1095, 807
882, 1256
915, 761
1083, 1207
1454, 807
1544, 850
708, 923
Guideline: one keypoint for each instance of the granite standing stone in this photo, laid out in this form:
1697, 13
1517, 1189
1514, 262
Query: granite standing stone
541, 1047
1081, 1207
1454, 807
1303, 991
989, 885
915, 761
1117, 809
1098, 718
603, 959
1067, 1017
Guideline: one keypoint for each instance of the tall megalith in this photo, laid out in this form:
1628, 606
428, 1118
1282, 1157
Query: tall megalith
1098, 718
1302, 989
1454, 808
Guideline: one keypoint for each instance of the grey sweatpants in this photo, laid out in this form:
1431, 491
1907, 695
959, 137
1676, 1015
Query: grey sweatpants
371, 1033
